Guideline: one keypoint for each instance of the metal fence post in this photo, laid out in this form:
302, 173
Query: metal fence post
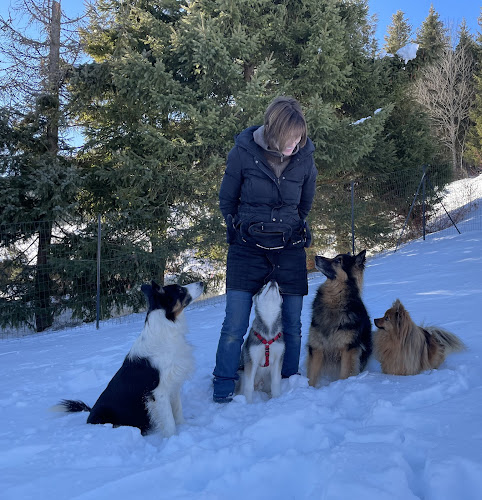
353, 217
422, 180
423, 202
97, 319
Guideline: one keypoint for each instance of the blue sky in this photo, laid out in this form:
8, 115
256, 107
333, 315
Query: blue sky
451, 13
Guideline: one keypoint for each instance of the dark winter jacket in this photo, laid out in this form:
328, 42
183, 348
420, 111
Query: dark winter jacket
265, 217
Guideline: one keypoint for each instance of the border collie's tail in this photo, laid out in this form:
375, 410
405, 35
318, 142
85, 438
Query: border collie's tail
71, 406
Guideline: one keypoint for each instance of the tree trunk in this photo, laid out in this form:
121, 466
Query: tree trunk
54, 79
43, 308
158, 238
248, 71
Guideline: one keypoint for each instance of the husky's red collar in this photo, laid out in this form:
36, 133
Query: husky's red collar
267, 343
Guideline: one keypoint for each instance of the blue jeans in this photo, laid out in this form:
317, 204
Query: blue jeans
235, 325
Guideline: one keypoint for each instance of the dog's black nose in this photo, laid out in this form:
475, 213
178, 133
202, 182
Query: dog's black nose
378, 323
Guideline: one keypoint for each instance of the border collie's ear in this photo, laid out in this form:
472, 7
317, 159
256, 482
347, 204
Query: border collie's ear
147, 291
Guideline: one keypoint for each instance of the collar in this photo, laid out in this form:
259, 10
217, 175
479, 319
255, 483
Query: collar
267, 343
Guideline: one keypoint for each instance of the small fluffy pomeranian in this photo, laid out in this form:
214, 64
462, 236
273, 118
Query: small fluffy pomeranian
404, 348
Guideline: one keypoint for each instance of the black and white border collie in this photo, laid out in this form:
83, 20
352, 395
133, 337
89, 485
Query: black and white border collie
146, 390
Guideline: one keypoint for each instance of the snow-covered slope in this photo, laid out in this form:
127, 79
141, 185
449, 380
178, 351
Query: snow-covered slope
370, 437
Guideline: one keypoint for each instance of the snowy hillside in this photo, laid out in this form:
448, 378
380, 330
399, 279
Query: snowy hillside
370, 437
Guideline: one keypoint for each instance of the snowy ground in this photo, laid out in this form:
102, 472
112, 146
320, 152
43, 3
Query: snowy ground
370, 437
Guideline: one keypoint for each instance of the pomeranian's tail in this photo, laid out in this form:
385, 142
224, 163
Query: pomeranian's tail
450, 341
71, 406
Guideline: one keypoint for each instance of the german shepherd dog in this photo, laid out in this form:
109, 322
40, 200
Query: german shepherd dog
146, 390
263, 351
404, 348
339, 342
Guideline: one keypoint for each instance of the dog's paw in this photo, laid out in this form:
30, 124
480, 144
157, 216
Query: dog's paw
168, 433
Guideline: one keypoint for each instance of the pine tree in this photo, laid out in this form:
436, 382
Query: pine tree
168, 89
323, 54
473, 152
432, 38
363, 95
466, 41
467, 47
330, 46
399, 33
137, 158
37, 176
38, 189
189, 79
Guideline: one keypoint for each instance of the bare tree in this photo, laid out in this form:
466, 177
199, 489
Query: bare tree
38, 45
446, 90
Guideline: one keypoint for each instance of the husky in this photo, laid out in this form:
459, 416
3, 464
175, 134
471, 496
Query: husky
263, 350
146, 390
339, 340
405, 348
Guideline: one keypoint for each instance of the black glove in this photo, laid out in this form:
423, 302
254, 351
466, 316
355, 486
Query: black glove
230, 229
307, 235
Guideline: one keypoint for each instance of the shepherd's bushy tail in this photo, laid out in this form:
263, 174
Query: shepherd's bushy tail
450, 341
71, 406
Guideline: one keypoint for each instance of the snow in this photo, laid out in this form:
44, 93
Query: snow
408, 52
361, 120
373, 436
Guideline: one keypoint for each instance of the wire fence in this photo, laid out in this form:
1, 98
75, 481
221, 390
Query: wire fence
55, 274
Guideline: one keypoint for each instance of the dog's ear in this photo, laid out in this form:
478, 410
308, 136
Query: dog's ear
149, 290
318, 262
360, 258
156, 287
399, 312
146, 290
399, 306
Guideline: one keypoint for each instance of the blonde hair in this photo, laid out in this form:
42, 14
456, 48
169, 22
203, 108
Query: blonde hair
283, 121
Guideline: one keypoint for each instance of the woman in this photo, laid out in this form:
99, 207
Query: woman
265, 197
